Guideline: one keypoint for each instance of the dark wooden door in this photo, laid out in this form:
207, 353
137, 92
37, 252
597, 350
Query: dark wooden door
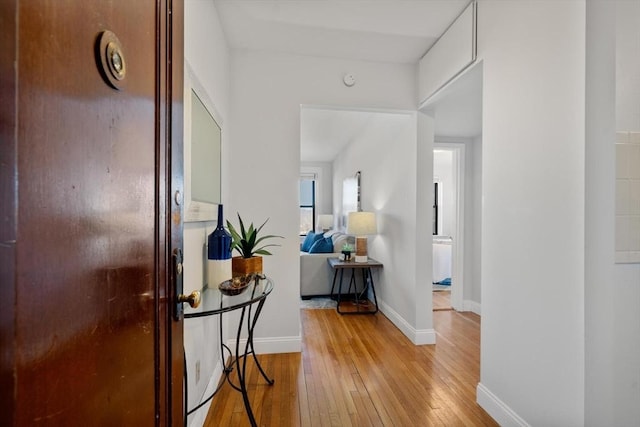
87, 219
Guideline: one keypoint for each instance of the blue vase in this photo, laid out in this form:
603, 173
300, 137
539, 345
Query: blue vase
219, 240
218, 254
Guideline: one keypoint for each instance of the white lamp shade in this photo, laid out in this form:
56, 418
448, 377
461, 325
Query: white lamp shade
361, 223
325, 221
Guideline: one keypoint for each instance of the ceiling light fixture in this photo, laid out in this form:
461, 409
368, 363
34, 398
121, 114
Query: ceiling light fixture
349, 80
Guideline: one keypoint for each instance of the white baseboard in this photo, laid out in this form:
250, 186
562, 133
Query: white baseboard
472, 306
271, 345
198, 418
498, 410
417, 336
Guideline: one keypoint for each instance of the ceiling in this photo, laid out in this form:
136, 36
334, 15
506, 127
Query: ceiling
399, 31
324, 132
396, 31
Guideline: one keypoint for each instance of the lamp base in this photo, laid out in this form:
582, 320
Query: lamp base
361, 258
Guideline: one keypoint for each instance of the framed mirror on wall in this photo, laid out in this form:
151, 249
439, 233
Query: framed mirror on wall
437, 196
202, 152
350, 197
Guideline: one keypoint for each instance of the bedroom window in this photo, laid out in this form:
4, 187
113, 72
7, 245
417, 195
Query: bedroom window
307, 205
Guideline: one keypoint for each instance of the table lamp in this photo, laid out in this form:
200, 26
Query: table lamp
360, 224
325, 222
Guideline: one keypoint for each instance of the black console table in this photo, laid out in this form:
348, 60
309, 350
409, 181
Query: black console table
250, 302
367, 278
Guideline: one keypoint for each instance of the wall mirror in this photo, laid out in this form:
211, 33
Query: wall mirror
437, 212
202, 152
350, 197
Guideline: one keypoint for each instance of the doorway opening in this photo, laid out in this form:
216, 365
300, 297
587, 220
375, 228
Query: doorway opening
456, 111
448, 235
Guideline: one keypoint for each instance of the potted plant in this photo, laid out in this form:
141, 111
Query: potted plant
346, 251
250, 246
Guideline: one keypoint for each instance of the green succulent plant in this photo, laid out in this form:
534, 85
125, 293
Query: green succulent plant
347, 247
247, 242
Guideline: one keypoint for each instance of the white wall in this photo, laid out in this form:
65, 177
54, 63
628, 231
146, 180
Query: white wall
207, 53
626, 283
627, 65
532, 346
627, 68
612, 292
473, 224
599, 214
267, 91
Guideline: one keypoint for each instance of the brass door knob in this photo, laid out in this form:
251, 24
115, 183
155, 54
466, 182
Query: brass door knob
193, 299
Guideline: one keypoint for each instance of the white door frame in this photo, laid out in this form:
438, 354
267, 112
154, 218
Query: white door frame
458, 241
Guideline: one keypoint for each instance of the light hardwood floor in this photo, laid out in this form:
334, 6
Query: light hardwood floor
442, 300
362, 371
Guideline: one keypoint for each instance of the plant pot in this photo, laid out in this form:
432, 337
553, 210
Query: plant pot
242, 266
347, 255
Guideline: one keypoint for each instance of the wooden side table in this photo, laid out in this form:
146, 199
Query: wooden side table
367, 278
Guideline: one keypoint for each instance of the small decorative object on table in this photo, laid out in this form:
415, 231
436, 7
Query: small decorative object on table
238, 284
247, 244
346, 252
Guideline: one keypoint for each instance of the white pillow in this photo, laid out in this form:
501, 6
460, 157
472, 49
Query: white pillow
330, 233
338, 241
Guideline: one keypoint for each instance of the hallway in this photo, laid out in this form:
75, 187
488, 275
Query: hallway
361, 370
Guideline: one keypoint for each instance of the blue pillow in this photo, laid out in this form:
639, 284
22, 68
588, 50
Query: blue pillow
309, 241
322, 246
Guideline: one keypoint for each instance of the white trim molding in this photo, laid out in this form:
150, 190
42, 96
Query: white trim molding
271, 345
498, 410
472, 306
417, 336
